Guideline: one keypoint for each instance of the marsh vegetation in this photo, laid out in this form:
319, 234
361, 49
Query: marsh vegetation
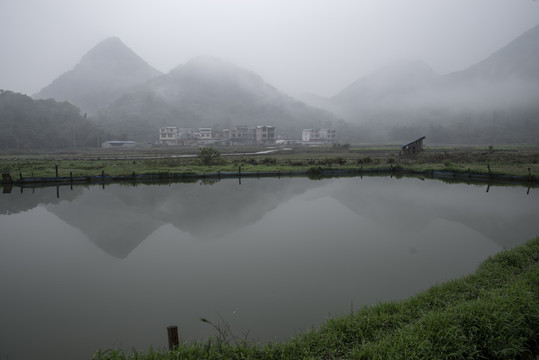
508, 160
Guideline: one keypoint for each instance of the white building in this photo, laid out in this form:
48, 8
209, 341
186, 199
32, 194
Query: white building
168, 135
326, 136
204, 134
262, 135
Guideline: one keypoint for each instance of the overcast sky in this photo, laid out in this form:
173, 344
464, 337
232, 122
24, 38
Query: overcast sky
299, 46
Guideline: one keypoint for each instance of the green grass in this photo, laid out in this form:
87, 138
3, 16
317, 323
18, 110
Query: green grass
502, 161
491, 314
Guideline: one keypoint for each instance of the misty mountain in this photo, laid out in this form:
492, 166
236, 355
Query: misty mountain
509, 77
208, 92
122, 217
44, 124
493, 101
102, 75
395, 85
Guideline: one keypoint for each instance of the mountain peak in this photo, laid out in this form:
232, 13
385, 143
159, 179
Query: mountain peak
517, 60
391, 81
102, 74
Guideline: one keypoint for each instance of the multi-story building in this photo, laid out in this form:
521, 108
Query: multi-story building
204, 133
262, 135
265, 135
319, 135
310, 135
328, 135
168, 135
239, 133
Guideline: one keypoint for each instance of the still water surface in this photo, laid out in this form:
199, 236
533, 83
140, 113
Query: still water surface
97, 267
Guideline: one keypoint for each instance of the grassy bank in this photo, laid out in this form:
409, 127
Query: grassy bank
491, 314
520, 161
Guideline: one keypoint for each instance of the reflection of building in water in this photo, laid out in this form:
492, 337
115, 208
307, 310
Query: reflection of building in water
240, 135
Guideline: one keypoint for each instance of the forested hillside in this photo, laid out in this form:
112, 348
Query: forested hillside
208, 92
44, 124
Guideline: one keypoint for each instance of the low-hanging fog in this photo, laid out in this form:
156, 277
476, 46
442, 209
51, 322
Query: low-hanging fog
301, 46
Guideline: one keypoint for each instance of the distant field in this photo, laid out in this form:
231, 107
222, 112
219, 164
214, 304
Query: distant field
509, 160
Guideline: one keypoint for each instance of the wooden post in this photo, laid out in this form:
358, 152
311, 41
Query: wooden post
488, 167
529, 175
71, 176
6, 178
20, 176
56, 168
173, 340
103, 175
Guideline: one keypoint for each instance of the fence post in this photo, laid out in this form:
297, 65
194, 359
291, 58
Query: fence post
173, 340
6, 178
56, 169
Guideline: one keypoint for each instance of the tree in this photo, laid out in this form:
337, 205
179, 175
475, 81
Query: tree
209, 155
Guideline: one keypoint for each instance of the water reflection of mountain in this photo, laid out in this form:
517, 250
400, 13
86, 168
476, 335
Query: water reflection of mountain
120, 217
506, 216
24, 199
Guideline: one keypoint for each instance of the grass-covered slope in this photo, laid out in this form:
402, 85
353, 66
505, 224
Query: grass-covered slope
491, 314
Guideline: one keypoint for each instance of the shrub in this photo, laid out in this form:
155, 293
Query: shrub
208, 155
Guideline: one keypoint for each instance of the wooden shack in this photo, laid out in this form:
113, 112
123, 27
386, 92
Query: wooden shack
413, 148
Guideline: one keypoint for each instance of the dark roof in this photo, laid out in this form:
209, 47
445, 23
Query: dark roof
421, 138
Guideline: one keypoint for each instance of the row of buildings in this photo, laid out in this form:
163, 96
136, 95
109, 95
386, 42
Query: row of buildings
240, 135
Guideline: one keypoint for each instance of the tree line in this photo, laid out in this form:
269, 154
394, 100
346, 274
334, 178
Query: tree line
28, 124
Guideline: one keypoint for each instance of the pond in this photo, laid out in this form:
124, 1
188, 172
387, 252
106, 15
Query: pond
98, 267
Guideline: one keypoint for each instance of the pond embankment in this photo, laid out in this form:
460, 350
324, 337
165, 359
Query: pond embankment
502, 165
7, 178
490, 314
